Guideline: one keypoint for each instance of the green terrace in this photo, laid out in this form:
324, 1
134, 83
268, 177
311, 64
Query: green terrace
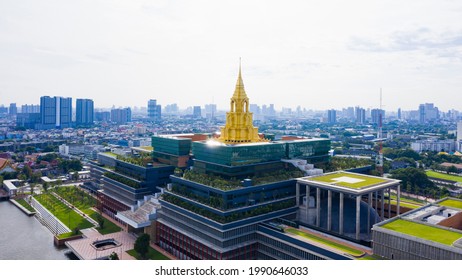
221, 183
25, 204
235, 216
85, 202
348, 180
133, 183
426, 232
63, 213
330, 243
439, 175
451, 203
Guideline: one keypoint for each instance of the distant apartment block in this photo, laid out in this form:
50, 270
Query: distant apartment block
84, 112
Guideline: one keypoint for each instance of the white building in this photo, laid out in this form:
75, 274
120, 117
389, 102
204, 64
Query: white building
434, 145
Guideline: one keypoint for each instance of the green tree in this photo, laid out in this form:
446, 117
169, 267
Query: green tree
75, 176
452, 169
113, 256
142, 245
100, 219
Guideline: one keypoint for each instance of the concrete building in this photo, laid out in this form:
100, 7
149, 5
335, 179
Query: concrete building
377, 116
13, 110
154, 110
55, 112
121, 116
432, 232
331, 116
434, 145
360, 115
428, 113
197, 112
326, 202
84, 112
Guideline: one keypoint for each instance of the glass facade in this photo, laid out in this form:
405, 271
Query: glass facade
172, 145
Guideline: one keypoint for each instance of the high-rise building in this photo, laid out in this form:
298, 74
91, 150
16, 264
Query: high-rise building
154, 110
84, 112
360, 115
210, 111
121, 116
459, 131
197, 112
399, 113
13, 109
428, 113
55, 112
30, 108
331, 116
102, 116
377, 116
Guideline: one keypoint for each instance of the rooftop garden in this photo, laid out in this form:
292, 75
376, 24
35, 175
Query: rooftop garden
232, 184
452, 203
64, 213
427, 232
84, 202
141, 160
353, 181
338, 246
123, 179
439, 175
264, 209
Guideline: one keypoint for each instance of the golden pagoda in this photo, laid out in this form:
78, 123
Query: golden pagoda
239, 121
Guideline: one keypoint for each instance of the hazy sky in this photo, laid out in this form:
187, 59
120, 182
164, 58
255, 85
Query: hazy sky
316, 54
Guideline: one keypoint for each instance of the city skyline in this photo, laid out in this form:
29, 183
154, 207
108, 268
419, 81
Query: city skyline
322, 55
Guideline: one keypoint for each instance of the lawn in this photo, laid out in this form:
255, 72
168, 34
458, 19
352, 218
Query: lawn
341, 247
424, 231
153, 254
108, 227
444, 176
25, 205
364, 181
404, 204
65, 214
452, 203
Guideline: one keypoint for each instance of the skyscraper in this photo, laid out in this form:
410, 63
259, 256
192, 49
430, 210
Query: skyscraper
428, 112
84, 112
360, 115
331, 116
154, 110
55, 112
377, 116
13, 109
121, 116
197, 112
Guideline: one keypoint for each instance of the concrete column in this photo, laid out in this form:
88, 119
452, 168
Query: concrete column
369, 198
297, 193
307, 201
318, 207
398, 197
329, 210
389, 203
340, 214
358, 216
382, 204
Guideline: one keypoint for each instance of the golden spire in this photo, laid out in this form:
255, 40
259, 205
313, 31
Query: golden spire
239, 120
239, 91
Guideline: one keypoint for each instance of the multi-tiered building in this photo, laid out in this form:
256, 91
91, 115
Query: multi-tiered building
223, 205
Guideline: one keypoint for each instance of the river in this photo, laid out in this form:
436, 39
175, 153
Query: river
24, 238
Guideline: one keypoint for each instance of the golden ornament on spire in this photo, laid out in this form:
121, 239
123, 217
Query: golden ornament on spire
239, 120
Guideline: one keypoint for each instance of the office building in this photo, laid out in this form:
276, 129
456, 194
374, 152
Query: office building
30, 108
55, 112
154, 110
121, 116
197, 113
434, 145
227, 203
377, 116
331, 116
360, 115
428, 113
84, 112
431, 232
13, 110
